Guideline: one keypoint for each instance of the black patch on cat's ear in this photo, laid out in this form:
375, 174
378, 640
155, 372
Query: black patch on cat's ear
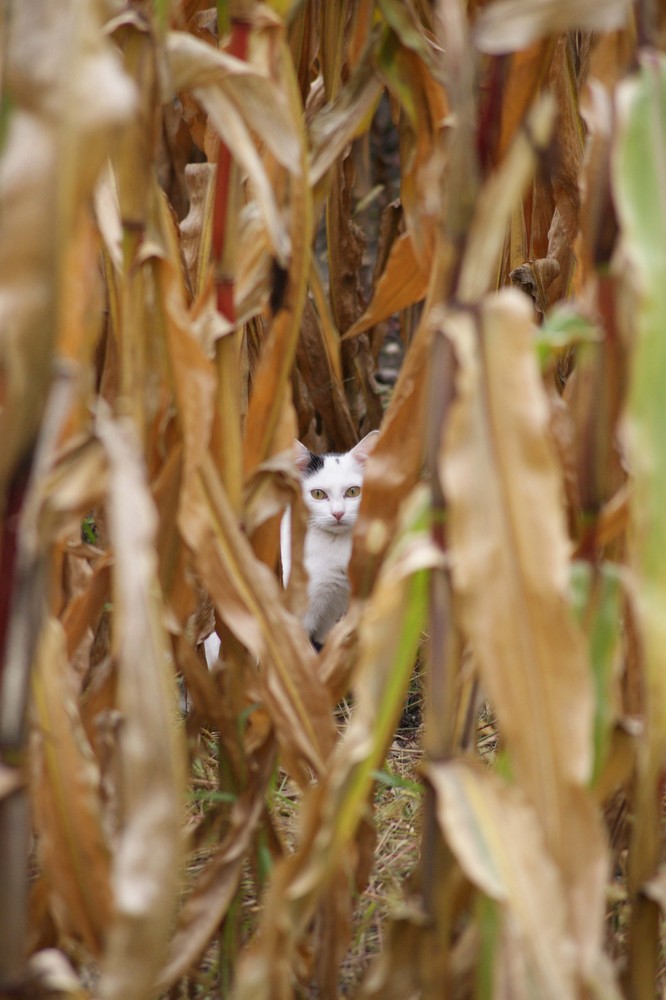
306, 461
314, 465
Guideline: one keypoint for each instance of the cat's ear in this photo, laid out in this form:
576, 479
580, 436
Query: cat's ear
364, 447
302, 456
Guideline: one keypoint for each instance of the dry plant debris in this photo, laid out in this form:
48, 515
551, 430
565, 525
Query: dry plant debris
222, 227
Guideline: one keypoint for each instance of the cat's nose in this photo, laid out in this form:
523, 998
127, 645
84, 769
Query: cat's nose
338, 514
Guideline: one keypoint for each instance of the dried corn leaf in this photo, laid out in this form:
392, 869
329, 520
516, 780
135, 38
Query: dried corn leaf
395, 465
68, 94
233, 119
509, 553
403, 282
251, 93
268, 427
318, 360
65, 789
498, 840
509, 561
526, 73
148, 852
333, 128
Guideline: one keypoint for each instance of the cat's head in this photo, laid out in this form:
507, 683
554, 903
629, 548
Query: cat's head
332, 484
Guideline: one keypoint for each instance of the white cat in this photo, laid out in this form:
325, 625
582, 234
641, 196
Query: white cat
331, 487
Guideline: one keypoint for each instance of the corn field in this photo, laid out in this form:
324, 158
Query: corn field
213, 221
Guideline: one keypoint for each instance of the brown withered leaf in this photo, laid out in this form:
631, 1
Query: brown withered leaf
497, 201
65, 792
498, 840
69, 93
251, 91
197, 225
403, 281
85, 608
509, 559
238, 99
267, 424
395, 465
525, 76
564, 82
148, 851
496, 458
335, 125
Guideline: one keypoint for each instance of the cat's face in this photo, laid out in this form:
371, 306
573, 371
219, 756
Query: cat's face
332, 485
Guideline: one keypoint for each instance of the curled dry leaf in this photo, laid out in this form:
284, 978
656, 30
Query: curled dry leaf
496, 836
195, 65
335, 125
269, 423
403, 282
65, 789
148, 852
393, 468
509, 563
319, 364
69, 92
235, 110
495, 453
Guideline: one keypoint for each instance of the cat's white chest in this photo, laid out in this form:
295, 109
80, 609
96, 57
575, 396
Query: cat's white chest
326, 559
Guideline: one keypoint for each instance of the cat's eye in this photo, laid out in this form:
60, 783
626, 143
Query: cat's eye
353, 491
318, 494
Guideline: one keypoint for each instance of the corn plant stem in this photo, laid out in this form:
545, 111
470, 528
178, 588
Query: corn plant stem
24, 567
14, 846
8, 552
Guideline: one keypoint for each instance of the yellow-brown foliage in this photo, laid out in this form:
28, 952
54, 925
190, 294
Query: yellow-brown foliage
200, 255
